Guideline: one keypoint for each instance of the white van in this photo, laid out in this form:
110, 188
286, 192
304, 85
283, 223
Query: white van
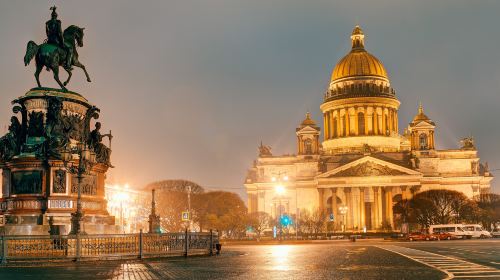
454, 229
477, 231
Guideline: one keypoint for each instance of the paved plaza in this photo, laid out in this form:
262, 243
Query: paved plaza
470, 259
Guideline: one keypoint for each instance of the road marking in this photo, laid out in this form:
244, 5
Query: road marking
453, 267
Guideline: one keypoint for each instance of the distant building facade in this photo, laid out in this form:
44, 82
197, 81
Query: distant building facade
130, 207
362, 164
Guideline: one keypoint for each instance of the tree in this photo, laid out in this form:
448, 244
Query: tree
489, 208
259, 221
421, 212
178, 185
170, 205
224, 211
318, 220
305, 221
402, 210
448, 206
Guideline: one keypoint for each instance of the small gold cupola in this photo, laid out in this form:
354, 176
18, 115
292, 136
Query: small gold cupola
422, 131
308, 137
358, 38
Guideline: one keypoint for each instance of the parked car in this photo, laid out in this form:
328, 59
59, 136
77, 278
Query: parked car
495, 233
420, 236
477, 231
398, 236
444, 236
454, 229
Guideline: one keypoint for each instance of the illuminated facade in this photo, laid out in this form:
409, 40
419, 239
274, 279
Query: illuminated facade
363, 163
129, 206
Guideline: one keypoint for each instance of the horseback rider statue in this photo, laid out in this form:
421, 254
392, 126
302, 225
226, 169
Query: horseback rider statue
55, 35
58, 50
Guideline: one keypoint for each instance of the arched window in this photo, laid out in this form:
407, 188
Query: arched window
361, 123
335, 135
423, 141
308, 146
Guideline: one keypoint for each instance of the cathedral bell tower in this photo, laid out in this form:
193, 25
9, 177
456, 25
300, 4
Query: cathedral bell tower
308, 137
422, 132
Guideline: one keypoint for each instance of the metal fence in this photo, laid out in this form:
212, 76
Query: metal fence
77, 247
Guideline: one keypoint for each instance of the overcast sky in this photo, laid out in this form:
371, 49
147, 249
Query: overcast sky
190, 88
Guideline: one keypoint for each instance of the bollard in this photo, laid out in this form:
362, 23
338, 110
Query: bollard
211, 243
4, 249
186, 243
140, 244
218, 247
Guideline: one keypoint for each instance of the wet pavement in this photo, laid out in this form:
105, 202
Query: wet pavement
332, 260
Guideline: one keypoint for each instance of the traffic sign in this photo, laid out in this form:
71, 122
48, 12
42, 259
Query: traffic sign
332, 218
186, 216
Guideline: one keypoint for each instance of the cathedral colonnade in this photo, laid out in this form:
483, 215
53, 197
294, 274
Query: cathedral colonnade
367, 206
361, 120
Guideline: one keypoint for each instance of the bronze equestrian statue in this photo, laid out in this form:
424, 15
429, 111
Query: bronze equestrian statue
58, 50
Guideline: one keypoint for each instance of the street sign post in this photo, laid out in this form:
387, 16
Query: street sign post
186, 216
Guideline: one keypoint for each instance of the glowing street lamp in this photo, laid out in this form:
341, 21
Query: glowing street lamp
279, 188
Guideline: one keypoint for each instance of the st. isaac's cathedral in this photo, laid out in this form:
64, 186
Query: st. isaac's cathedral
363, 165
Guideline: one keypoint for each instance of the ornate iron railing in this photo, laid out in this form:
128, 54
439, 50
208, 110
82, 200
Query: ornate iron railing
76, 247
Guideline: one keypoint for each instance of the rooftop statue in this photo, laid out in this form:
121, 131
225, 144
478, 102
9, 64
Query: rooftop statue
467, 143
264, 151
59, 49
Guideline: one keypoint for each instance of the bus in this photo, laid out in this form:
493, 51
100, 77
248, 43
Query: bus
455, 229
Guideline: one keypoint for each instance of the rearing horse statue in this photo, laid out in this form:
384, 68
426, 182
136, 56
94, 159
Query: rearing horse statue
52, 56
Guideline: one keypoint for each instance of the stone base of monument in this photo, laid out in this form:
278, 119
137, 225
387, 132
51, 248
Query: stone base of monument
25, 230
58, 225
41, 167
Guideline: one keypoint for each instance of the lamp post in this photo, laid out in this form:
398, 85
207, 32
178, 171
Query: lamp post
86, 159
189, 207
343, 212
280, 190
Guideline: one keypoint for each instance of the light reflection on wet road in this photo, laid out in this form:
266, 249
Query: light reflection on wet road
334, 260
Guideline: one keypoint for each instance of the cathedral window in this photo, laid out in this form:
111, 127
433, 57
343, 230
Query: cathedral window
361, 123
308, 147
423, 141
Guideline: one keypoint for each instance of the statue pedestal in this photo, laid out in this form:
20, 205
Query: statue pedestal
36, 184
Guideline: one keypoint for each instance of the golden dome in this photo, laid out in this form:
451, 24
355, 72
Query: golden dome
358, 62
421, 116
308, 121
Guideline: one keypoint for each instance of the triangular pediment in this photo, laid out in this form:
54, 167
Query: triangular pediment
307, 130
369, 166
424, 124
